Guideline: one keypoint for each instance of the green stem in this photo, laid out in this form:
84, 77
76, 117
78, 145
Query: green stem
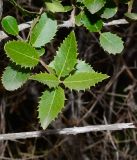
20, 8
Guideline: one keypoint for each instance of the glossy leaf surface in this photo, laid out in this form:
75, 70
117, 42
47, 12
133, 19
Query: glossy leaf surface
22, 53
66, 57
84, 80
10, 25
44, 31
45, 78
50, 105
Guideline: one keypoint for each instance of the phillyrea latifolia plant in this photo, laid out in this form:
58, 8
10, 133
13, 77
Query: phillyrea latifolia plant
66, 70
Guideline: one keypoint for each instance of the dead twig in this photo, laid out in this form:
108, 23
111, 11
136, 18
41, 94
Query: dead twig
26, 25
67, 131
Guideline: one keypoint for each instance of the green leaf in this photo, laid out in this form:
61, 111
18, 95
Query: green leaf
56, 6
132, 16
41, 51
109, 12
78, 18
44, 31
94, 5
111, 43
82, 66
22, 53
51, 64
91, 24
51, 103
67, 8
84, 80
13, 77
45, 78
66, 57
10, 25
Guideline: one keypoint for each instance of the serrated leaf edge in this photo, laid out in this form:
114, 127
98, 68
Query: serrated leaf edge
89, 86
46, 80
57, 28
54, 117
58, 52
85, 63
22, 66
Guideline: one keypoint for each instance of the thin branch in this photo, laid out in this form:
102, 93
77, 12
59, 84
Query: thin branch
14, 3
67, 131
26, 25
69, 23
116, 22
44, 65
130, 6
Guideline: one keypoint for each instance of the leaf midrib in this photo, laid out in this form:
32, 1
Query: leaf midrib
39, 35
105, 37
46, 80
24, 54
52, 81
66, 58
78, 81
47, 117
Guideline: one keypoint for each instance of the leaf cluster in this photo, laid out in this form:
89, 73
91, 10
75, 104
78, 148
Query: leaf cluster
92, 15
66, 70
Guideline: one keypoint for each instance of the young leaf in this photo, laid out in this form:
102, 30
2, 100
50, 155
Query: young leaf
84, 80
91, 24
45, 78
44, 31
82, 66
13, 78
54, 6
10, 25
111, 43
94, 5
109, 12
66, 57
22, 53
51, 103
132, 16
